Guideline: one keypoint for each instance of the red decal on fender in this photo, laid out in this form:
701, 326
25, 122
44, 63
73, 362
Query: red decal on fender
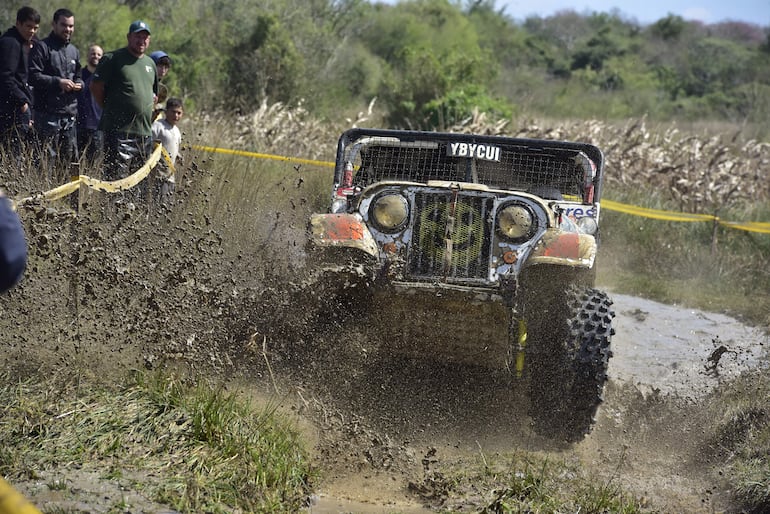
342, 226
566, 245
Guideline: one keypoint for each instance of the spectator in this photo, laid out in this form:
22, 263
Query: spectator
89, 112
166, 132
13, 246
163, 64
15, 95
54, 73
124, 85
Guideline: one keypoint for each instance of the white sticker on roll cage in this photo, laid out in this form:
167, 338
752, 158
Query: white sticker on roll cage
474, 150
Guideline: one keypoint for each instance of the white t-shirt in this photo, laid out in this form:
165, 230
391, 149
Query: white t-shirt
171, 138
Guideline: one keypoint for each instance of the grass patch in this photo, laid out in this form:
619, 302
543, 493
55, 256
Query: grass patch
196, 448
738, 440
525, 482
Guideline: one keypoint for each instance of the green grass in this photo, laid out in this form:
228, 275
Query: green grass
527, 482
206, 450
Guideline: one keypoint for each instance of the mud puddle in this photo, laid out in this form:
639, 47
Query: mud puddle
663, 354
680, 350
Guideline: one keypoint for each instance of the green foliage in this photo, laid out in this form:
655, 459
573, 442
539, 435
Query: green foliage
438, 69
458, 104
196, 448
431, 61
669, 28
265, 65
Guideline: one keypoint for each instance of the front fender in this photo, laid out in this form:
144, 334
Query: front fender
565, 248
341, 230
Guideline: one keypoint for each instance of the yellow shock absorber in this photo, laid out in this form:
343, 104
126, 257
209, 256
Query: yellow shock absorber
12, 502
521, 346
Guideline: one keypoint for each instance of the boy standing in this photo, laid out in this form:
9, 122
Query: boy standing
166, 132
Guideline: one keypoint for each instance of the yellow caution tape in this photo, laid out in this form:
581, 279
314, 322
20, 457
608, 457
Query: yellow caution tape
12, 502
57, 192
654, 213
748, 226
167, 158
263, 155
127, 182
100, 185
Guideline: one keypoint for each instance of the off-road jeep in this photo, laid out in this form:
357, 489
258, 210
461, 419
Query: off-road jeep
479, 249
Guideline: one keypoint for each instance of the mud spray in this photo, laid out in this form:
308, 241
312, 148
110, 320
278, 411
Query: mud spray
218, 291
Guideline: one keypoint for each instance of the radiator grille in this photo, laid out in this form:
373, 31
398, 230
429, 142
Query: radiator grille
470, 237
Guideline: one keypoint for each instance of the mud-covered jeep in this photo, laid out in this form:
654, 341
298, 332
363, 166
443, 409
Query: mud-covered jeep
479, 249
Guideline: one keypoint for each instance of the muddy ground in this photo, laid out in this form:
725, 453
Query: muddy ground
200, 287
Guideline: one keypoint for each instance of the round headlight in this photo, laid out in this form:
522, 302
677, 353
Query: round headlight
516, 222
389, 212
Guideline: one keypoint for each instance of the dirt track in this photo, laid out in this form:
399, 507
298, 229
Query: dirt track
644, 437
203, 292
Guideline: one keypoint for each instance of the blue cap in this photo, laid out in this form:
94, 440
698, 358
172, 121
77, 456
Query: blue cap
157, 55
139, 26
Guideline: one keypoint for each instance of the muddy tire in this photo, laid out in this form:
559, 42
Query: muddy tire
569, 369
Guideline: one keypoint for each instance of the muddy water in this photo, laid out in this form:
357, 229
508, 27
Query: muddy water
657, 348
680, 350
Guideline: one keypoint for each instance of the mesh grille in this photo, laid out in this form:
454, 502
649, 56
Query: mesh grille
470, 237
518, 168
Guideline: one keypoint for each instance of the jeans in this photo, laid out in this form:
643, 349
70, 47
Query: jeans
58, 141
124, 153
90, 143
15, 136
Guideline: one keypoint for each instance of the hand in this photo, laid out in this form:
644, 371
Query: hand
67, 85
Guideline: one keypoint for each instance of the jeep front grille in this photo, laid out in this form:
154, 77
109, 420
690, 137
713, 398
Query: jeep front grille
470, 237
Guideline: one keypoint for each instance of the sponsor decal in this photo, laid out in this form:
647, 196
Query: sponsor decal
474, 150
571, 211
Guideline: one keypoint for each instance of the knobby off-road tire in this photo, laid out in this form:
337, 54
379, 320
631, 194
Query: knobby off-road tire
570, 367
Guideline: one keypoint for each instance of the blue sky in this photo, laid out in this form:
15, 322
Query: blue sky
645, 11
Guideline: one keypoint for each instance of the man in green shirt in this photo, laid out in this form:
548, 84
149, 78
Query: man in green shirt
125, 84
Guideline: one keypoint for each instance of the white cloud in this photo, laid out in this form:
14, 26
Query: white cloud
698, 13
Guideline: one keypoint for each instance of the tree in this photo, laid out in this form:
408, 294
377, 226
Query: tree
438, 70
265, 65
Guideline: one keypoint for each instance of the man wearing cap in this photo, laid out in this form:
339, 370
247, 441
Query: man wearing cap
125, 84
163, 65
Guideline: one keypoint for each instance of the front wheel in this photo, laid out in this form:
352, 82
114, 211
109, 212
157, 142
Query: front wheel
569, 365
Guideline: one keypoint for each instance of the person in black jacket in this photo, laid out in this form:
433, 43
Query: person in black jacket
55, 76
15, 95
13, 246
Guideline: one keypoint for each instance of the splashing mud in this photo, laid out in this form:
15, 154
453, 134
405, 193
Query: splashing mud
203, 288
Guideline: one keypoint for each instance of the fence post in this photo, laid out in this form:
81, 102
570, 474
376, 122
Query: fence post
75, 204
714, 233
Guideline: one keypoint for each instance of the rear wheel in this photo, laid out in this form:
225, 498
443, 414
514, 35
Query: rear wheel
568, 366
